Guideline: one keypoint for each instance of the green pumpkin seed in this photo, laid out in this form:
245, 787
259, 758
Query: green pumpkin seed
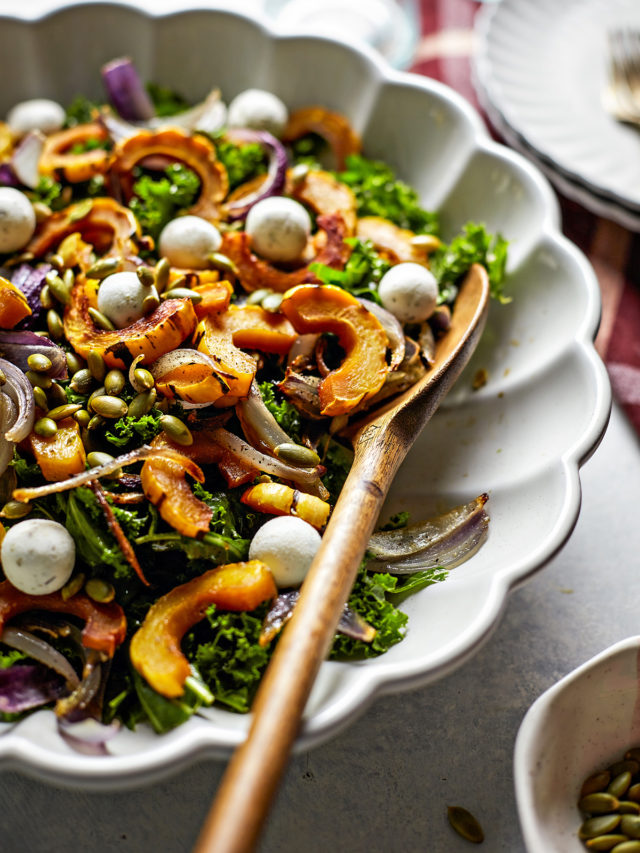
40, 399
176, 430
72, 587
619, 784
69, 278
161, 274
634, 792
144, 378
41, 210
46, 298
272, 302
39, 362
97, 458
626, 764
74, 362
40, 380
54, 325
628, 807
65, 411
465, 824
99, 392
146, 276
58, 288
257, 296
108, 406
82, 417
114, 382
96, 365
150, 302
56, 395
81, 381
604, 842
182, 293
142, 403
297, 454
600, 825
596, 782
630, 825
81, 209
46, 427
95, 423
100, 320
100, 590
102, 268
425, 241
598, 803
15, 509
627, 847
222, 262
299, 172
56, 260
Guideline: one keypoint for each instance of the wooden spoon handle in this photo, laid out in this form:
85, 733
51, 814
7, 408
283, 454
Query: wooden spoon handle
250, 782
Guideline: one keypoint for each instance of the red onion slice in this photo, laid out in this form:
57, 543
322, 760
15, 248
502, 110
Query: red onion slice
276, 173
19, 389
209, 116
8, 176
392, 327
43, 652
88, 736
26, 158
17, 346
258, 424
24, 687
126, 91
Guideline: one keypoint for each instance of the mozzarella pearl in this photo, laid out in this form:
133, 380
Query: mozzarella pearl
121, 298
188, 241
38, 556
37, 114
17, 220
287, 545
258, 110
279, 228
409, 291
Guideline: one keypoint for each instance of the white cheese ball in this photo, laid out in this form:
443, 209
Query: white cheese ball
188, 241
409, 291
36, 114
279, 228
258, 110
121, 298
17, 220
287, 545
38, 556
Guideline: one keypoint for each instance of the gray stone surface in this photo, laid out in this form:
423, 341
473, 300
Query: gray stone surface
384, 784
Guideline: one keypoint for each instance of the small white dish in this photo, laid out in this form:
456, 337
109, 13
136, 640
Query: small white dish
585, 722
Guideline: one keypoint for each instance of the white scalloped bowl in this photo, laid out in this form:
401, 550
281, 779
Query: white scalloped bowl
521, 438
585, 722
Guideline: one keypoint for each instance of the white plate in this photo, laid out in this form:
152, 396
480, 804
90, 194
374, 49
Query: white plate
521, 438
543, 67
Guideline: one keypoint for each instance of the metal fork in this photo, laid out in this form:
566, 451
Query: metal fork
621, 96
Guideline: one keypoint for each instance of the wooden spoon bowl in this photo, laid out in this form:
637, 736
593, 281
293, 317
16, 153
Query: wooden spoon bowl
381, 443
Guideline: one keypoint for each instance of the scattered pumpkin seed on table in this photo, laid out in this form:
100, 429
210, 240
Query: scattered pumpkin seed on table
465, 824
609, 800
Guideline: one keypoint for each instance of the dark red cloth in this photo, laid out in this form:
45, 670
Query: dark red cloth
444, 54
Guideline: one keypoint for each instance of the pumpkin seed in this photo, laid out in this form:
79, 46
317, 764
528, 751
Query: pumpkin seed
150, 302
99, 392
619, 784
598, 803
96, 422
257, 296
108, 406
223, 263
299, 172
81, 381
634, 792
176, 430
102, 268
15, 509
41, 210
100, 320
146, 276
74, 362
144, 378
41, 380
40, 399
39, 362
56, 260
297, 454
72, 587
96, 365
69, 278
100, 590
58, 288
46, 299
604, 842
628, 807
46, 427
182, 293
627, 847
81, 209
97, 458
465, 824
427, 242
142, 403
114, 382
272, 302
162, 270
630, 825
54, 325
600, 825
626, 764
56, 395
65, 411
82, 417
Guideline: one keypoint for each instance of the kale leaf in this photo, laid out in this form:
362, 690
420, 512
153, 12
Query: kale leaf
144, 428
158, 200
242, 162
285, 413
166, 101
362, 273
473, 245
80, 111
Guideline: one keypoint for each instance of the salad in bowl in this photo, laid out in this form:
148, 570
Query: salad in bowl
198, 302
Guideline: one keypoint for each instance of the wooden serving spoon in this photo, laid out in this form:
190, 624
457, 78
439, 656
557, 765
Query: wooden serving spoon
249, 785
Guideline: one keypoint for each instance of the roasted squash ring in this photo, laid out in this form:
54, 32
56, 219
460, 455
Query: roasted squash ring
395, 243
325, 195
57, 155
332, 127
